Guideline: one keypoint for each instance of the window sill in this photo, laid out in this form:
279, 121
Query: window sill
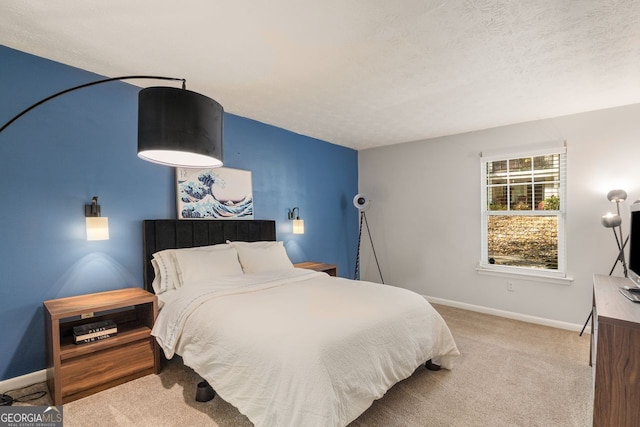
526, 275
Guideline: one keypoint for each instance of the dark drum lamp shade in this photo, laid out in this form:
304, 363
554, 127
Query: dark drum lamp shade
178, 127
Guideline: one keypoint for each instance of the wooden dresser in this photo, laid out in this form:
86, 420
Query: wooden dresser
615, 349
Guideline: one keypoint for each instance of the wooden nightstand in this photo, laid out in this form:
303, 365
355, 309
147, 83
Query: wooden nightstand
330, 269
79, 370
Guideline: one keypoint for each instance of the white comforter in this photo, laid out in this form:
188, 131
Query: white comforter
301, 348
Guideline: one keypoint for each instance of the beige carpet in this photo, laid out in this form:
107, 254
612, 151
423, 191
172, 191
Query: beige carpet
510, 374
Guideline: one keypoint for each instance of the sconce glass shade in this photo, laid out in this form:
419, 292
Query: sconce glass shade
611, 220
178, 127
97, 228
298, 226
617, 195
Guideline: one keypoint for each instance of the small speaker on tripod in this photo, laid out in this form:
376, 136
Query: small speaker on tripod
362, 202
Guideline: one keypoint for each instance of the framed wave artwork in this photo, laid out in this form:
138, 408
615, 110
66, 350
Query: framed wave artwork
220, 193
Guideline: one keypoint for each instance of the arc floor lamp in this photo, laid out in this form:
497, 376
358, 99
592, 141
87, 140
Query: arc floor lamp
176, 127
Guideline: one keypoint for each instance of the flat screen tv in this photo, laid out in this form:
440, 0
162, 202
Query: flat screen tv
633, 266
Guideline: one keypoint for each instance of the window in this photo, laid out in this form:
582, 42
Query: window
523, 212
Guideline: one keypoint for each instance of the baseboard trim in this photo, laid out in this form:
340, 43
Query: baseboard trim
23, 381
509, 314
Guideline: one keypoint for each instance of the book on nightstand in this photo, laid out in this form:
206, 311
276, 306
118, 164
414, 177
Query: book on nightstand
96, 331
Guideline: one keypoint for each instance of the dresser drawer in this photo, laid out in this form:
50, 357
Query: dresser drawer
98, 368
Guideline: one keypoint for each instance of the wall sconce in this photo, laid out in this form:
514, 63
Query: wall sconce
298, 224
97, 226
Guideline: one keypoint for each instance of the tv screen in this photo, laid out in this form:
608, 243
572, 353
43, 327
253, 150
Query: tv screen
634, 244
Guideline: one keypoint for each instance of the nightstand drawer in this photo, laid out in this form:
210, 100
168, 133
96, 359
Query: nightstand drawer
89, 371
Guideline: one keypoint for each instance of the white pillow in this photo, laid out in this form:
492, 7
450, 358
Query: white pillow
166, 276
212, 248
157, 275
202, 266
263, 258
167, 273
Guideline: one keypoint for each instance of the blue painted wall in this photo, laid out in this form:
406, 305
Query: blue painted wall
83, 144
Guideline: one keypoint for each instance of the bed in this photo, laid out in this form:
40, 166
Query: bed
286, 346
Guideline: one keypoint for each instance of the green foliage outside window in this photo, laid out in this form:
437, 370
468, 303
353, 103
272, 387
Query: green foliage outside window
551, 203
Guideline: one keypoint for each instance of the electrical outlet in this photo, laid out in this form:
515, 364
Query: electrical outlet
510, 286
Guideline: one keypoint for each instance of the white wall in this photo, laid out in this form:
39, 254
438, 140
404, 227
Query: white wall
425, 211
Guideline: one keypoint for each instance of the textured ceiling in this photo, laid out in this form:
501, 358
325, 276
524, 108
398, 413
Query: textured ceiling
358, 73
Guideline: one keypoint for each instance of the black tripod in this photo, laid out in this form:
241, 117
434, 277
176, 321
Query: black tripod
363, 216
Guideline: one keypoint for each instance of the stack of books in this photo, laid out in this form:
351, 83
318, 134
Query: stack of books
96, 331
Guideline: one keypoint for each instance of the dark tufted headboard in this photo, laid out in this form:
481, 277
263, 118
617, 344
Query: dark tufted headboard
159, 234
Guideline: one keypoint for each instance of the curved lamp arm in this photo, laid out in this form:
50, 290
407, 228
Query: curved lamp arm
55, 95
